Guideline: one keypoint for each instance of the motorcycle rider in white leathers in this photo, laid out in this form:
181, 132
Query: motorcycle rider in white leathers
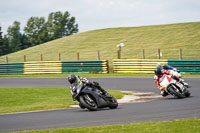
159, 72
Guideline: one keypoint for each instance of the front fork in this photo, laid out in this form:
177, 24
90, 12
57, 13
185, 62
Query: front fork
87, 97
176, 89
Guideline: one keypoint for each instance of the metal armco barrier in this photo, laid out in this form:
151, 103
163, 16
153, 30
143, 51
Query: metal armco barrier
187, 66
136, 65
42, 67
85, 66
45, 67
12, 68
119, 66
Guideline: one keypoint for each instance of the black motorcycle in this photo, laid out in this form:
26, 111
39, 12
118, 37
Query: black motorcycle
91, 98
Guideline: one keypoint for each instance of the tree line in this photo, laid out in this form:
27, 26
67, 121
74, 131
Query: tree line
37, 31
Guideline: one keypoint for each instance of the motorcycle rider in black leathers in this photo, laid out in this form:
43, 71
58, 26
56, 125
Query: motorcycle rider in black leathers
72, 78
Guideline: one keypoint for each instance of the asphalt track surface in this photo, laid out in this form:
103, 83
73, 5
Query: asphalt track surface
161, 109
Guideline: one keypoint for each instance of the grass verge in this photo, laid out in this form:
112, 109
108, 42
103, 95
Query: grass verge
32, 99
177, 126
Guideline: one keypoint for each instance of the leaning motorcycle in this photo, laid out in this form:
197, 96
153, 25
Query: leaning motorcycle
91, 98
174, 87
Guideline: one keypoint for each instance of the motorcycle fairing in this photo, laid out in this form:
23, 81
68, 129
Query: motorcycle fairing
167, 81
98, 97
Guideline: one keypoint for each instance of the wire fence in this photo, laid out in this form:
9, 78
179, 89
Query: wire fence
170, 54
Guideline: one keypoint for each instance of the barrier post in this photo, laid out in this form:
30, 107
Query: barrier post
108, 67
118, 54
158, 53
41, 57
98, 55
78, 56
59, 57
6, 59
180, 54
143, 54
24, 58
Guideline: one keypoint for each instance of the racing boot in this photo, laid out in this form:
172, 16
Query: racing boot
181, 81
164, 93
106, 94
185, 84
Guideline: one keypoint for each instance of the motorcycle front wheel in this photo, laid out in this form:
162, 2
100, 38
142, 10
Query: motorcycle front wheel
88, 102
113, 103
187, 93
176, 92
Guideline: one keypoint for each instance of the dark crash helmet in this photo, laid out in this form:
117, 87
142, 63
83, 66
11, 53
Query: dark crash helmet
158, 70
72, 78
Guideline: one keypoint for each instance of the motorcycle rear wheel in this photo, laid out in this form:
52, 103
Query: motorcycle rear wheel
88, 103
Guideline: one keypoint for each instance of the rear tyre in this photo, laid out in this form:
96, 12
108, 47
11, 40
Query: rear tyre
88, 102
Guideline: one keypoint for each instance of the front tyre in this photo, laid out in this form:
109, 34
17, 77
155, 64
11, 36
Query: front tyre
88, 102
187, 93
81, 106
176, 92
113, 103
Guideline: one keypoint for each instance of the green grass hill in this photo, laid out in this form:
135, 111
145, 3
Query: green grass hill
168, 38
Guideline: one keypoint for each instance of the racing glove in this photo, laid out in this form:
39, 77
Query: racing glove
162, 88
